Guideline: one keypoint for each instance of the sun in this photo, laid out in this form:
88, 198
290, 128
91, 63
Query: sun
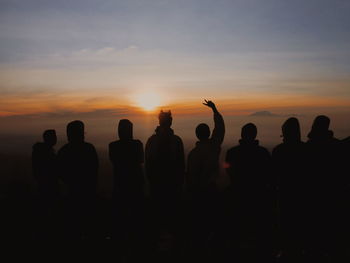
149, 101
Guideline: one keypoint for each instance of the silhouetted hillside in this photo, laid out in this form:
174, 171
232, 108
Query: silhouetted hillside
263, 114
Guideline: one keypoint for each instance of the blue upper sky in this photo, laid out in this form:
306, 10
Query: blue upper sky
36, 27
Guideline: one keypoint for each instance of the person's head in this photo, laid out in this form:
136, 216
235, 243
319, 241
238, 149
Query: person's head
50, 137
249, 132
321, 123
291, 130
165, 119
320, 127
75, 131
125, 129
202, 131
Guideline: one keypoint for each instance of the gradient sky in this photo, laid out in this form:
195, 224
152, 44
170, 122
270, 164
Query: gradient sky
248, 55
93, 59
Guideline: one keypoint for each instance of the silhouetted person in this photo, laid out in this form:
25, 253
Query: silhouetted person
202, 171
127, 157
289, 163
203, 160
344, 169
165, 167
326, 185
44, 166
248, 166
346, 141
345, 153
79, 166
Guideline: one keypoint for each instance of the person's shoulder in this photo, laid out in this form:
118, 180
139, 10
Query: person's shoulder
232, 153
63, 149
346, 140
345, 143
137, 142
336, 140
278, 148
191, 154
89, 146
65, 146
263, 150
177, 138
233, 149
302, 145
37, 146
152, 138
193, 151
113, 144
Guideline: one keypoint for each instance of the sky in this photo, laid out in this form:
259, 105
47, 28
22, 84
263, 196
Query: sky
102, 60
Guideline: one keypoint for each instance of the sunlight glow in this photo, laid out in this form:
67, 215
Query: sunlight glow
148, 101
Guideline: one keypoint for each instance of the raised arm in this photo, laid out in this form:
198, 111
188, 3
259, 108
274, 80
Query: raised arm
219, 124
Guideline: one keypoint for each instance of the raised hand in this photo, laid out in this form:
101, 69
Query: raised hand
209, 103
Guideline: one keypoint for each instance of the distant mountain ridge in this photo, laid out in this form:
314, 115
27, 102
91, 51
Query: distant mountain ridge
263, 113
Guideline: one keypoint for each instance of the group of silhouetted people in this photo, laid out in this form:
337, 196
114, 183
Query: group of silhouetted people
298, 195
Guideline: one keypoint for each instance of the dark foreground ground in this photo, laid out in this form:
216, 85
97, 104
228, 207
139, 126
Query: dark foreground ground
25, 228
